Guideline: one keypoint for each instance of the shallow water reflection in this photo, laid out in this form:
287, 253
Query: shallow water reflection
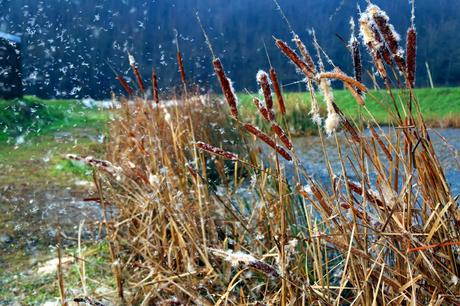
311, 154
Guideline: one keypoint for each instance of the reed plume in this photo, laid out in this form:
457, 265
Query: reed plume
155, 88
411, 52
227, 89
217, 151
240, 258
137, 74
391, 37
267, 139
100, 164
125, 85
305, 54
289, 53
333, 119
269, 116
373, 42
314, 112
356, 55
282, 135
338, 75
262, 79
180, 62
277, 88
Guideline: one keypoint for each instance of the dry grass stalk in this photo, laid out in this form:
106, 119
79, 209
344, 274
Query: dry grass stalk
60, 274
380, 142
116, 267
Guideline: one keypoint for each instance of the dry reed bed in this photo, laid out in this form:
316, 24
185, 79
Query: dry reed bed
389, 237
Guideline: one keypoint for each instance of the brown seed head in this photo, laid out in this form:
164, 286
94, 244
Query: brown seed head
217, 151
294, 58
411, 52
262, 79
277, 88
226, 86
282, 135
269, 141
268, 115
155, 87
125, 85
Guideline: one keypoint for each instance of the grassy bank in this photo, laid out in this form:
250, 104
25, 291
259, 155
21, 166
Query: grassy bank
440, 106
35, 134
30, 116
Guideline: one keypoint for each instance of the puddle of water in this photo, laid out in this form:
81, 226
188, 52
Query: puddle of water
31, 218
36, 198
311, 154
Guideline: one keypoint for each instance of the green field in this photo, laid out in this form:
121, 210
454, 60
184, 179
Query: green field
440, 106
31, 116
36, 133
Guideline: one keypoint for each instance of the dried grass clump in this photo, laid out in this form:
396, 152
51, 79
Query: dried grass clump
383, 229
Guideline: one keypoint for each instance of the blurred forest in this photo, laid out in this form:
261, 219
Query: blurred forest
66, 42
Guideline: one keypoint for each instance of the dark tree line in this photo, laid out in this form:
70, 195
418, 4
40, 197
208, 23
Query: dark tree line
66, 43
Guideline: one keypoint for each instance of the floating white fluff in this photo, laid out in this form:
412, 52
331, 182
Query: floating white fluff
235, 258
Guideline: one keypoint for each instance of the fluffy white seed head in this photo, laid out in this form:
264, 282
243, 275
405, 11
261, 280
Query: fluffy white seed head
332, 123
365, 29
326, 90
235, 258
132, 61
233, 90
260, 75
